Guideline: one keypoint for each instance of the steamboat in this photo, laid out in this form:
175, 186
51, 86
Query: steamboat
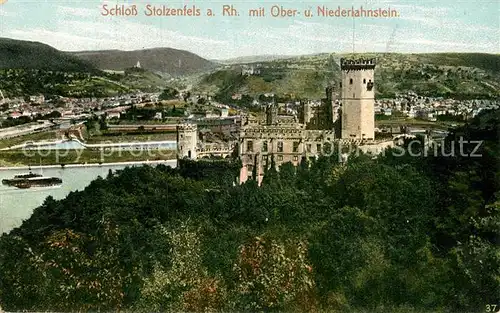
25, 181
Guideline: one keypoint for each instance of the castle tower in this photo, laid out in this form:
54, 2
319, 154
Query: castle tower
187, 141
272, 114
358, 98
329, 107
306, 112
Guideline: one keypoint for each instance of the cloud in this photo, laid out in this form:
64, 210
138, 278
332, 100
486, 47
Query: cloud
312, 37
419, 29
425, 11
437, 44
73, 11
4, 13
439, 18
75, 35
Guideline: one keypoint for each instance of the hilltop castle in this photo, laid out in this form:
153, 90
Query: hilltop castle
289, 138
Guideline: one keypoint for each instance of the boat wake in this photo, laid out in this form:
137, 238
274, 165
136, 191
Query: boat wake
12, 190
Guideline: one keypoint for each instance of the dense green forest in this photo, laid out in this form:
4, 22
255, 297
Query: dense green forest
386, 234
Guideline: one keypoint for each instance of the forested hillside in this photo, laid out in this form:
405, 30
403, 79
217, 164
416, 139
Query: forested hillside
392, 234
163, 60
451, 75
19, 54
24, 82
32, 68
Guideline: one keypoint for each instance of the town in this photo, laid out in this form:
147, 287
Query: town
145, 121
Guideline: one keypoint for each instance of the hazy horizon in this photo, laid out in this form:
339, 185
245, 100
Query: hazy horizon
270, 56
421, 27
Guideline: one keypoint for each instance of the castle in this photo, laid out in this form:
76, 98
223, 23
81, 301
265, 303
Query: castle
294, 138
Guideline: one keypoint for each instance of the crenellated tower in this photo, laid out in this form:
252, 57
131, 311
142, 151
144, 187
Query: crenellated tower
358, 98
187, 141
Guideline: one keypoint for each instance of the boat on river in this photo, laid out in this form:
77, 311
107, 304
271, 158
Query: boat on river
25, 181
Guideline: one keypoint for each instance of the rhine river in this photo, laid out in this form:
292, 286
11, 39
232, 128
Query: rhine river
17, 205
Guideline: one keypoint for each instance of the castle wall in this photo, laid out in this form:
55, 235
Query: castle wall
285, 144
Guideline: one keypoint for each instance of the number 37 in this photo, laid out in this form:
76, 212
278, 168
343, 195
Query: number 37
492, 308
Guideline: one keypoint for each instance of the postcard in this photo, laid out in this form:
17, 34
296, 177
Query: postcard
249, 156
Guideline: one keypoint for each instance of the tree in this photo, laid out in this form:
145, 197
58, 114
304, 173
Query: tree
185, 285
272, 274
169, 94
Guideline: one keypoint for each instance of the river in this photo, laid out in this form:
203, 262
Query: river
17, 205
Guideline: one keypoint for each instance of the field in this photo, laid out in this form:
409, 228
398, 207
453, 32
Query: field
132, 138
5, 143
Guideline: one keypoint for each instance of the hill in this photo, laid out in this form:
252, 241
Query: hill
24, 82
163, 60
28, 68
460, 75
398, 233
254, 58
18, 54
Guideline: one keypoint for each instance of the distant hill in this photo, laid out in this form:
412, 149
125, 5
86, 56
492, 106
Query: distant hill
18, 54
163, 60
458, 75
28, 68
254, 59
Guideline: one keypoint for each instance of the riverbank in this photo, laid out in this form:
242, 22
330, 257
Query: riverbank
15, 158
155, 162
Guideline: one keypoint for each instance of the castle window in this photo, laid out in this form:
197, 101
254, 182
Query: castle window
280, 158
309, 148
364, 80
249, 146
350, 81
280, 146
369, 86
318, 148
295, 146
264, 146
295, 158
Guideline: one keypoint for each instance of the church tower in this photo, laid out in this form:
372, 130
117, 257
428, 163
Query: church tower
358, 99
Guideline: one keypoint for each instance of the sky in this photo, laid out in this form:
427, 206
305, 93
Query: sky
423, 26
